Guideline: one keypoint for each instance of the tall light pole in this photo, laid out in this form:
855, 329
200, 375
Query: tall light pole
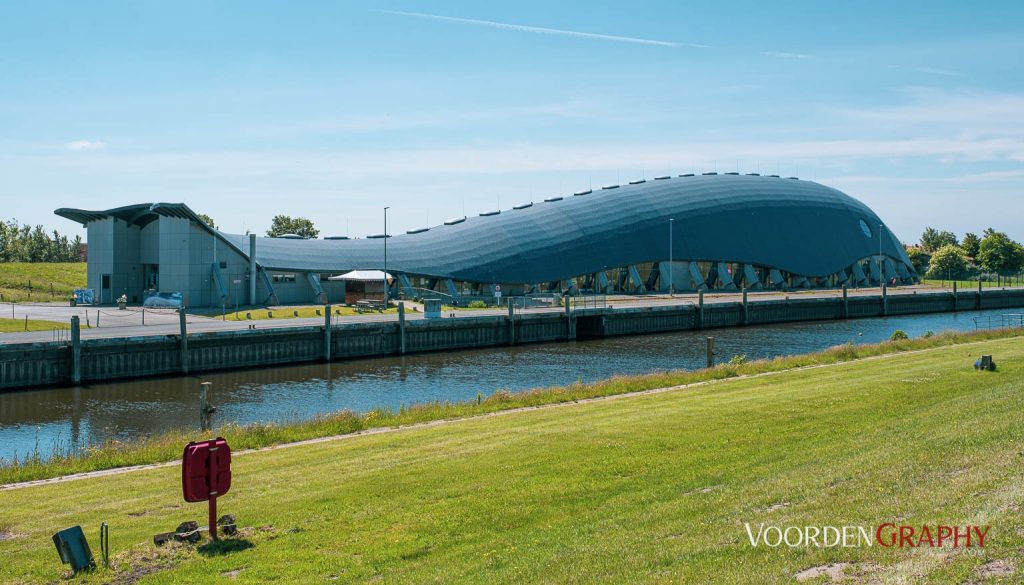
671, 267
881, 275
387, 289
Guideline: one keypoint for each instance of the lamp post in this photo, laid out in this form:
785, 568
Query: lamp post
387, 289
881, 275
671, 267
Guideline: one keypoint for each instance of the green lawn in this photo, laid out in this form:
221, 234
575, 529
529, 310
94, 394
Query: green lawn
641, 488
972, 284
32, 282
283, 312
16, 325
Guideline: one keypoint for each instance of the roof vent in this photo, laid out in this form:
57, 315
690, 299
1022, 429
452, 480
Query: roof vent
793, 178
455, 221
553, 199
490, 213
753, 174
638, 181
290, 237
587, 192
662, 178
712, 173
378, 236
732, 173
687, 175
417, 230
335, 237
776, 176
523, 205
610, 187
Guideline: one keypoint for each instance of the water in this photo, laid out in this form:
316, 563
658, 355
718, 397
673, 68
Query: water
43, 419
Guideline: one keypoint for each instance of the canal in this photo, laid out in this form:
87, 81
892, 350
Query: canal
40, 420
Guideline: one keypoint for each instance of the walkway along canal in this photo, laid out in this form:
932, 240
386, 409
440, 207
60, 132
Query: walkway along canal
83, 361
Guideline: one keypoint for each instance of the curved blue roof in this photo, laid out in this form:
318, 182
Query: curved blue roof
801, 227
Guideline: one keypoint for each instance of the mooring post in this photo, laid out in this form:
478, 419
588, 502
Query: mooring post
954, 296
570, 324
711, 351
204, 406
184, 341
401, 327
511, 323
700, 309
846, 303
977, 305
885, 299
746, 308
76, 351
327, 333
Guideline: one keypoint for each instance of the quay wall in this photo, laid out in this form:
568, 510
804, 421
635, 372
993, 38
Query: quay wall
53, 363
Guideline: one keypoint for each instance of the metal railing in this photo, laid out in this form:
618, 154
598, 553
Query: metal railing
1004, 321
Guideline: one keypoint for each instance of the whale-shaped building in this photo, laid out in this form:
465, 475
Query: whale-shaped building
710, 231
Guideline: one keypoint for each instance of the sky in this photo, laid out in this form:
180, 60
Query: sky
334, 110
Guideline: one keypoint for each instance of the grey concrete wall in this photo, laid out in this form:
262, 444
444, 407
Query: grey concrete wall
42, 364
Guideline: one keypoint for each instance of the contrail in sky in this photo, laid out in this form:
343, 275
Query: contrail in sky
548, 31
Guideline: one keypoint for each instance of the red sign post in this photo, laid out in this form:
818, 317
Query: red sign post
206, 474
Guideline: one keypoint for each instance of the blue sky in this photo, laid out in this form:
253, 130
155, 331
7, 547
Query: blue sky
333, 110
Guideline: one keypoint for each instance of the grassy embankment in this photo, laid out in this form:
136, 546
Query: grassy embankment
646, 488
22, 282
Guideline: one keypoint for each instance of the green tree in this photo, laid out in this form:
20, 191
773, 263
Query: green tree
948, 261
998, 253
933, 239
970, 244
207, 220
300, 226
919, 259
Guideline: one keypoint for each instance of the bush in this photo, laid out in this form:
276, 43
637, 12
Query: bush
477, 305
738, 360
928, 334
899, 335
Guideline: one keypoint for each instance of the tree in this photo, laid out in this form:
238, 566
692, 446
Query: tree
998, 253
299, 226
919, 259
948, 261
933, 239
207, 220
970, 244
26, 244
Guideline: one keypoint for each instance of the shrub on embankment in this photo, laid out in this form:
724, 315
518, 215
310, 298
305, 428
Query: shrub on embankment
168, 446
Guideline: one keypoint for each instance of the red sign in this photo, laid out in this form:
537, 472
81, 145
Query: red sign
206, 474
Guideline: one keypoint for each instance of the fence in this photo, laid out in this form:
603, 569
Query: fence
1003, 321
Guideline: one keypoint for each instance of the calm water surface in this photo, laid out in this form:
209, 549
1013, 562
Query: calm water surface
43, 419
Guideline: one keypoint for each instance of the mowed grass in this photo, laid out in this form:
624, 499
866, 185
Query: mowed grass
16, 325
261, 313
33, 281
642, 488
967, 285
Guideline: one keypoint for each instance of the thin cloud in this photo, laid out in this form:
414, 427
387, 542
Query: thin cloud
548, 31
783, 55
937, 71
81, 145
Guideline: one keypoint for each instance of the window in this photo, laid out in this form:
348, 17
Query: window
864, 228
283, 278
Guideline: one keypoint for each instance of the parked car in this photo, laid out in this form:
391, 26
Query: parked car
163, 300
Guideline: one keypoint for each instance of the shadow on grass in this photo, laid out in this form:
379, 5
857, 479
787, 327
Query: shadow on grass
224, 546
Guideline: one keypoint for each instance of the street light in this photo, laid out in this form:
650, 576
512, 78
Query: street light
387, 289
671, 267
881, 275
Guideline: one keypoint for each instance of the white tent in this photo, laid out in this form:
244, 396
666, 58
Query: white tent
364, 275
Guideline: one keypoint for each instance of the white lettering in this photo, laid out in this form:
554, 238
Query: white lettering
799, 536
778, 531
760, 531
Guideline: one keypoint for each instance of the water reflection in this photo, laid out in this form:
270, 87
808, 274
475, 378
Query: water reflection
122, 410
